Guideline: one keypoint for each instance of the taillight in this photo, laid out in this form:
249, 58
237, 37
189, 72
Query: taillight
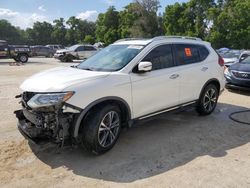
221, 61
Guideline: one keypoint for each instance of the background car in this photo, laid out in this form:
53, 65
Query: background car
244, 55
238, 75
41, 51
75, 52
230, 57
19, 53
55, 47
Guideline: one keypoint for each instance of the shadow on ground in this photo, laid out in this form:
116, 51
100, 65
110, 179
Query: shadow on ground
240, 92
155, 146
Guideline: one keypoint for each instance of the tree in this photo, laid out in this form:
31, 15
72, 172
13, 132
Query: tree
231, 27
146, 25
127, 18
89, 39
13, 35
59, 32
107, 26
41, 33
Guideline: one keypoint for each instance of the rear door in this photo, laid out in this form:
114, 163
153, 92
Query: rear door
194, 70
90, 50
81, 53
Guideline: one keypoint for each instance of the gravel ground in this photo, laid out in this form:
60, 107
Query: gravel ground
171, 150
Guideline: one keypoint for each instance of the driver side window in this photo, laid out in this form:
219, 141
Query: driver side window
161, 57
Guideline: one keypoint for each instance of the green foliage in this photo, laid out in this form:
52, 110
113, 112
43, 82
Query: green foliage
107, 26
13, 35
89, 39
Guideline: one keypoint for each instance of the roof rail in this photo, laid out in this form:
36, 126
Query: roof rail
127, 39
176, 37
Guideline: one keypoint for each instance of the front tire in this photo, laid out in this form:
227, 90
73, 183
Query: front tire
101, 129
208, 100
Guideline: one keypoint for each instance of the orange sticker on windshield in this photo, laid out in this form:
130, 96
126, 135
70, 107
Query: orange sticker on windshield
188, 52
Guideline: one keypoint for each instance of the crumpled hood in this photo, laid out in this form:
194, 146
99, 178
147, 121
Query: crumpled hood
57, 79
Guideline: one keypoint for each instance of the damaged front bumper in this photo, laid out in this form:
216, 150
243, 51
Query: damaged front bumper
53, 123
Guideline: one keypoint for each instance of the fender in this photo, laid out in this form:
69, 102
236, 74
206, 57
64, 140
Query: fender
85, 110
208, 82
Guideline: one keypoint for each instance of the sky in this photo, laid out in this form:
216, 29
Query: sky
23, 13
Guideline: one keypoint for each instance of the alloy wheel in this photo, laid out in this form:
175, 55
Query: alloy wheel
109, 129
210, 99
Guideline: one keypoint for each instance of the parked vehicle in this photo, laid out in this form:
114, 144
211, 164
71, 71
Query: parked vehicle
41, 51
230, 58
19, 53
127, 81
55, 47
238, 75
75, 52
223, 50
244, 55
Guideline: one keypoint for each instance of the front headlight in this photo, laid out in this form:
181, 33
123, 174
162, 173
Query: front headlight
49, 99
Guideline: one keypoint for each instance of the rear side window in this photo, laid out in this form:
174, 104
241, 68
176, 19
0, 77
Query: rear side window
89, 48
80, 48
203, 52
189, 53
161, 57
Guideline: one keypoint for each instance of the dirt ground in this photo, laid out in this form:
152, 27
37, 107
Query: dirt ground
172, 150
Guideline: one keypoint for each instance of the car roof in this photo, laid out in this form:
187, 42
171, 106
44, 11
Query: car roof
246, 52
3, 41
138, 41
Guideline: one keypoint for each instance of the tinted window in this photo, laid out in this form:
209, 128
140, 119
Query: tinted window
244, 56
89, 48
80, 48
187, 54
203, 52
160, 57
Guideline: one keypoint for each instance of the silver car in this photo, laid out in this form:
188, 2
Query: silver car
75, 52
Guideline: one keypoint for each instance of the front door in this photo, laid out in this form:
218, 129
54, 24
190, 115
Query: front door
159, 89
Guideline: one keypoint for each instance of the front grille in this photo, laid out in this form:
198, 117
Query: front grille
26, 96
243, 75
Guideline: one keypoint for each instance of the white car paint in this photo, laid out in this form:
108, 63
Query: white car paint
144, 93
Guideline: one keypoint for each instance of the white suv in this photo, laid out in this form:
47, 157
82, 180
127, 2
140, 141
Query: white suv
130, 80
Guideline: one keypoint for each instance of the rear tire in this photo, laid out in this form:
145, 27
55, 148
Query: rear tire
101, 129
23, 58
208, 100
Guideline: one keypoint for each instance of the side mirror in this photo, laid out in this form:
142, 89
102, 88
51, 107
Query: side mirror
144, 66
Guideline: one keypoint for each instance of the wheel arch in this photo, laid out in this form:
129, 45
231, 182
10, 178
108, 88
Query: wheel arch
121, 103
214, 81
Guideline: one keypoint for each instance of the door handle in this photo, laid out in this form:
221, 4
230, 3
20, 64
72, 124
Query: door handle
174, 76
204, 69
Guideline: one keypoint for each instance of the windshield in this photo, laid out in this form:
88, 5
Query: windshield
72, 48
111, 58
230, 55
246, 61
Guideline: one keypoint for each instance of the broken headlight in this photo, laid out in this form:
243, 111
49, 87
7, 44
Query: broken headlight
49, 99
